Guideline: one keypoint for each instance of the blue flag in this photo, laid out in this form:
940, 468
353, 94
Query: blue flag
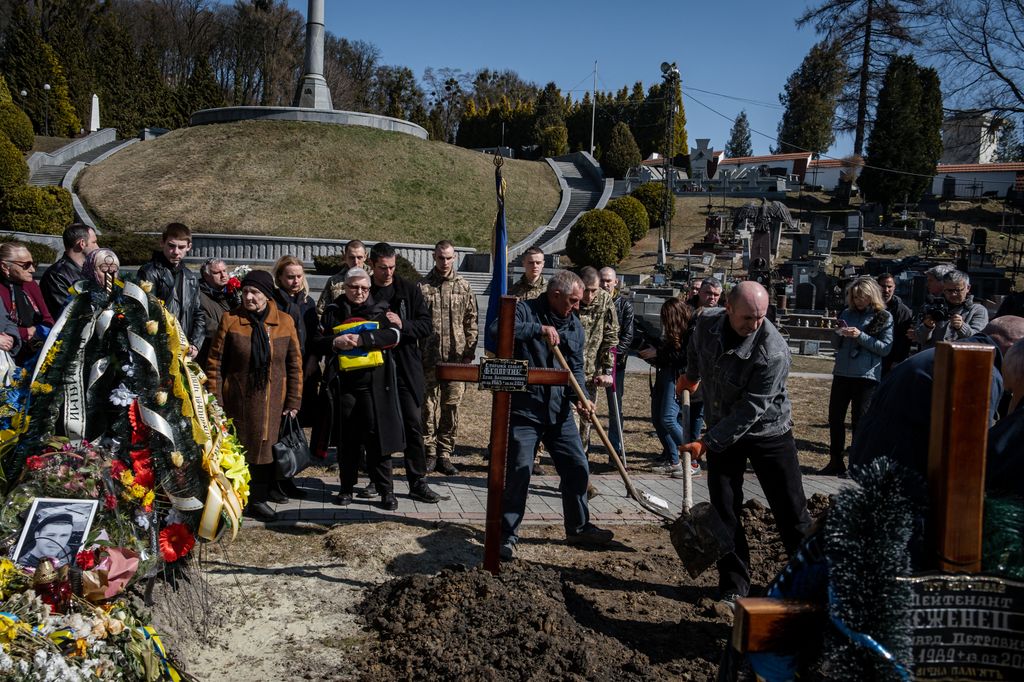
499, 255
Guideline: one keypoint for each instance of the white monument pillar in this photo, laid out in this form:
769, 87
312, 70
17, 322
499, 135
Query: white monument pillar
94, 119
313, 91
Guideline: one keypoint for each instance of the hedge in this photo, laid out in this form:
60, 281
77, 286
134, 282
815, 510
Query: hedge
15, 123
328, 265
42, 210
41, 253
652, 196
599, 238
131, 248
633, 214
13, 169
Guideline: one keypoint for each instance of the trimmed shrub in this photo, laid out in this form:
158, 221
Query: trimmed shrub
41, 253
43, 210
17, 126
13, 169
131, 248
553, 140
5, 93
652, 196
599, 238
327, 265
633, 214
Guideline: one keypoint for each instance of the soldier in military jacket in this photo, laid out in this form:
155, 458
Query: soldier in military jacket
531, 284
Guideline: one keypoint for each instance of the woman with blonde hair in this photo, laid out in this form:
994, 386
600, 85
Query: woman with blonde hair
863, 337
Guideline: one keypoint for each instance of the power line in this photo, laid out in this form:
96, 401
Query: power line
769, 105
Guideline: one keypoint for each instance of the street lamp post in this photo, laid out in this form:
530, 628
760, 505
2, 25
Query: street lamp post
46, 89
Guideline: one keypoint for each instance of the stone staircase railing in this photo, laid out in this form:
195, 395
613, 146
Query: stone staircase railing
70, 151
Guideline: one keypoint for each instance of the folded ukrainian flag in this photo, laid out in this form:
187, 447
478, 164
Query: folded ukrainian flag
358, 358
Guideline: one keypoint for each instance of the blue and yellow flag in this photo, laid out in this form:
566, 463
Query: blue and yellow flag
499, 255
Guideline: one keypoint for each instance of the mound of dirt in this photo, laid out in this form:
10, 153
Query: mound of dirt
472, 625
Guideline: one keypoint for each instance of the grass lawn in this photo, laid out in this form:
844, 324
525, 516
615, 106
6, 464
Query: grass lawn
49, 144
314, 180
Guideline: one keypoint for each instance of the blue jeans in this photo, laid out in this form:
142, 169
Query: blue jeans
563, 444
614, 433
665, 414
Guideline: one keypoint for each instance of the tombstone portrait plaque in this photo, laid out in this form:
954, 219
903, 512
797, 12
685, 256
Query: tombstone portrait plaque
503, 374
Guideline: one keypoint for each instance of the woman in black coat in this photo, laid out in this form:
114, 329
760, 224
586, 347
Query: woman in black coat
362, 409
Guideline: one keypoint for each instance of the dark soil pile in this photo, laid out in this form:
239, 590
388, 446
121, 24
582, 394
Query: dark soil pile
472, 625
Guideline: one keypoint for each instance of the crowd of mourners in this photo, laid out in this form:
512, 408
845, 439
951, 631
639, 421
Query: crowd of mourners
357, 366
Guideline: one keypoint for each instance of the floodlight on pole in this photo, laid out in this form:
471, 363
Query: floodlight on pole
46, 89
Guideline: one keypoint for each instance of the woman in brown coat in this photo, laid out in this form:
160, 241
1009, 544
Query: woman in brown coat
255, 372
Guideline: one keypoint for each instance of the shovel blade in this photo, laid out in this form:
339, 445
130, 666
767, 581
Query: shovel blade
700, 538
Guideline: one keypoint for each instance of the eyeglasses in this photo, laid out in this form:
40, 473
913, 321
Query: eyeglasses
958, 290
355, 288
23, 264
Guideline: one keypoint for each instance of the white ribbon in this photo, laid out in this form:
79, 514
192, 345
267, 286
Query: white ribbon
74, 389
143, 348
185, 503
135, 292
98, 369
103, 322
51, 339
157, 423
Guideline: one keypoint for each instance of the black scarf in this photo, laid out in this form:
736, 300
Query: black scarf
259, 353
23, 308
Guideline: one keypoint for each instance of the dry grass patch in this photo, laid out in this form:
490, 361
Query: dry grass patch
312, 180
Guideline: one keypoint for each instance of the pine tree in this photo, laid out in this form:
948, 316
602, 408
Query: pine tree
739, 138
21, 61
622, 153
906, 141
1009, 147
810, 97
870, 32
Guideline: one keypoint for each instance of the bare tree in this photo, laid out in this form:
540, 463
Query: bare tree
979, 48
870, 33
349, 68
446, 88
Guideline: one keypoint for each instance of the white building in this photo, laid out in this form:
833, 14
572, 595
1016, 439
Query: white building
969, 138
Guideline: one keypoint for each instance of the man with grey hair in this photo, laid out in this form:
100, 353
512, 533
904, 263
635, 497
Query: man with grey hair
600, 335
707, 295
544, 414
215, 299
962, 318
626, 316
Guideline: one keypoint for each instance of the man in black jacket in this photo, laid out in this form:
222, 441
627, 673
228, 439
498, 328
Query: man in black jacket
408, 312
624, 310
902, 320
79, 242
176, 285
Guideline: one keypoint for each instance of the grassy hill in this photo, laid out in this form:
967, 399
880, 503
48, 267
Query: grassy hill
314, 180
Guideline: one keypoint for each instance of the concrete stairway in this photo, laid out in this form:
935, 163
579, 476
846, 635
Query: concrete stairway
54, 174
584, 195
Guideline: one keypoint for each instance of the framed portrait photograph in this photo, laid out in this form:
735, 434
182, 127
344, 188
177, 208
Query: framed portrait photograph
56, 529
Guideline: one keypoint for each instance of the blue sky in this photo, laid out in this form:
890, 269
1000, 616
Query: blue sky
740, 48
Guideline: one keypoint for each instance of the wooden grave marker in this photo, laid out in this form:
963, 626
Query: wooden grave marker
955, 617
502, 375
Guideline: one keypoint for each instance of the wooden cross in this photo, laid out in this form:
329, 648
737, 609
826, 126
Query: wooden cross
956, 488
502, 375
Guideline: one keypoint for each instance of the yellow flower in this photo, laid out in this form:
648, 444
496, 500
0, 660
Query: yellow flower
81, 647
152, 326
127, 478
160, 397
8, 630
148, 499
177, 459
146, 286
114, 626
40, 387
137, 491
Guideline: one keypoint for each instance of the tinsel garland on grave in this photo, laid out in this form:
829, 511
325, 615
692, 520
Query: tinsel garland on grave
1003, 548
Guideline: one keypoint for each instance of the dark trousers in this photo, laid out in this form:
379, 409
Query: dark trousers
563, 444
261, 477
846, 391
775, 463
614, 432
415, 454
358, 423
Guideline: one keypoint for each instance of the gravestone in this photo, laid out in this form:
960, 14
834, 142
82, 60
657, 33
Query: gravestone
819, 224
853, 234
805, 296
872, 213
801, 245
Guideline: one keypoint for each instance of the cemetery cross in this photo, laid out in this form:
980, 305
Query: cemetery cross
502, 375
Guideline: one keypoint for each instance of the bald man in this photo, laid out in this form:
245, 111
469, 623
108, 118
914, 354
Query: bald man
744, 362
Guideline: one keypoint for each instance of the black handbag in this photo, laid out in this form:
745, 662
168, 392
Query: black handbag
291, 451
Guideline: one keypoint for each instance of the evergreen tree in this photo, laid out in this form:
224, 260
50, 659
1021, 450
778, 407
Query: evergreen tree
1009, 147
810, 97
549, 130
202, 90
622, 153
72, 23
739, 138
58, 113
5, 93
906, 141
870, 33
23, 64
117, 77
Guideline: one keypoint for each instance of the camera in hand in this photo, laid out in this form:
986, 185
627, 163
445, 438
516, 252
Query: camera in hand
939, 312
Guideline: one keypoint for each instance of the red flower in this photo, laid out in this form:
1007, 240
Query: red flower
116, 467
233, 285
144, 476
176, 540
86, 559
109, 502
35, 462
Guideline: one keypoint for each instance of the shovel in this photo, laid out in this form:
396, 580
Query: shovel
651, 503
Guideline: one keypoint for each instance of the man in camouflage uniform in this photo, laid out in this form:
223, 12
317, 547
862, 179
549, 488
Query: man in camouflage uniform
600, 334
531, 284
452, 306
355, 257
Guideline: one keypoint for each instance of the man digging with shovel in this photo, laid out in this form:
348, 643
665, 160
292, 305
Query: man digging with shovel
744, 362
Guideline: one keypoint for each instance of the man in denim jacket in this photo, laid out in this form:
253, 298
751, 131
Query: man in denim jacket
744, 362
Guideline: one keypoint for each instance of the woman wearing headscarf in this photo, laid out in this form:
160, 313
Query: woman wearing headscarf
101, 266
255, 372
23, 298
